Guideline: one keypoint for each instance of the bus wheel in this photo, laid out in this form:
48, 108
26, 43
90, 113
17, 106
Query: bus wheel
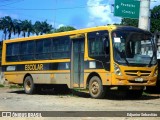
28, 85
96, 89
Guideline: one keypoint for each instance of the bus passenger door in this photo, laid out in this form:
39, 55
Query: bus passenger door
77, 62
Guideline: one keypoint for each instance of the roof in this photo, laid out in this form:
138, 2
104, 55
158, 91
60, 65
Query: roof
109, 27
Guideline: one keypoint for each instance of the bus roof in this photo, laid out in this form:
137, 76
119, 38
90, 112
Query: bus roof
80, 31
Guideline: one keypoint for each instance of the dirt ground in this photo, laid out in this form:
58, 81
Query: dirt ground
16, 100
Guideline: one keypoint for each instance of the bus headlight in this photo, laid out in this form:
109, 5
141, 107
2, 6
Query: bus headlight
156, 72
117, 70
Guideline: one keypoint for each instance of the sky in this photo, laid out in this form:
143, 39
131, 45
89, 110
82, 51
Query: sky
77, 13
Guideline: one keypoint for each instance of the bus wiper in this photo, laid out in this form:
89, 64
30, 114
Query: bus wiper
152, 55
150, 61
119, 53
126, 60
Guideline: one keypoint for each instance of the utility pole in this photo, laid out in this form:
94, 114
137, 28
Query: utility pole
144, 16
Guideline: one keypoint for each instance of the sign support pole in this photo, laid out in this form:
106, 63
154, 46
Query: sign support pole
144, 22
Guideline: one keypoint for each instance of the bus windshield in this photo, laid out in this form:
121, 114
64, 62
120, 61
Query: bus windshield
134, 48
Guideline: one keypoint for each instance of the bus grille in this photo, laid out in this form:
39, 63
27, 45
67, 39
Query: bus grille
137, 72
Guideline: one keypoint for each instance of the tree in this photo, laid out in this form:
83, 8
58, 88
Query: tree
129, 22
65, 28
37, 27
41, 28
26, 27
11, 27
3, 23
155, 19
7, 26
46, 28
17, 27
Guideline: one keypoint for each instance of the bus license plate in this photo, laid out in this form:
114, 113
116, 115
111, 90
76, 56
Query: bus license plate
139, 79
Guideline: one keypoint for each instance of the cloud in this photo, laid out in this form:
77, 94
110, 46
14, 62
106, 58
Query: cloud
154, 3
57, 25
100, 13
60, 25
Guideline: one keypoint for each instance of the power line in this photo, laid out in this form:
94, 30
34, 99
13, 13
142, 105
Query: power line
78, 7
6, 0
38, 19
11, 3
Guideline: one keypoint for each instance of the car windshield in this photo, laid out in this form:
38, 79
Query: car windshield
134, 48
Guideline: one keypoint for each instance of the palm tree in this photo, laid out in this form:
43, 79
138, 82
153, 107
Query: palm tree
1, 24
7, 26
4, 26
29, 28
26, 27
17, 27
41, 28
37, 27
46, 28
10, 25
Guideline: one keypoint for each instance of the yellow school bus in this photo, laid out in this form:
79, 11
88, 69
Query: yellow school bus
93, 58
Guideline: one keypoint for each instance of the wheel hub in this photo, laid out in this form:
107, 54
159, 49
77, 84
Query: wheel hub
95, 88
28, 85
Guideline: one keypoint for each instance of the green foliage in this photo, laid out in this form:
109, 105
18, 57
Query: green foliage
65, 28
11, 26
41, 28
46, 28
37, 27
26, 27
15, 86
7, 26
155, 20
1, 85
129, 22
17, 26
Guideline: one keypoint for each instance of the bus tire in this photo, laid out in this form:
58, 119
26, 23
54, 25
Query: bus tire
29, 86
96, 88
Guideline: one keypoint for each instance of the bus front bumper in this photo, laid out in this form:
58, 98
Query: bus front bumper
133, 81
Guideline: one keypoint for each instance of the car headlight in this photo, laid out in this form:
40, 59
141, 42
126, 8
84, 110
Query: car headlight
117, 70
155, 72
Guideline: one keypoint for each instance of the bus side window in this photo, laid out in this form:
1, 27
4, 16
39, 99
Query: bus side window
27, 50
98, 43
43, 49
61, 47
12, 52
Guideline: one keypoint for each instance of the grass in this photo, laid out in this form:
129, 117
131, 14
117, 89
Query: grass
1, 86
80, 90
15, 86
145, 93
